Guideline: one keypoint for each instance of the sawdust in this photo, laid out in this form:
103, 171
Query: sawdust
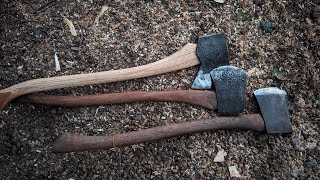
139, 32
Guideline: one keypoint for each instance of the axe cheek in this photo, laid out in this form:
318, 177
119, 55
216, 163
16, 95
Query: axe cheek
230, 85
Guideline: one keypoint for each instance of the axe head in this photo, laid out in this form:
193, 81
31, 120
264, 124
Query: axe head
274, 109
230, 85
212, 51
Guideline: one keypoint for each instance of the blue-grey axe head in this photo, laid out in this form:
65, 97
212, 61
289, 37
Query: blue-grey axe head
230, 85
212, 51
273, 103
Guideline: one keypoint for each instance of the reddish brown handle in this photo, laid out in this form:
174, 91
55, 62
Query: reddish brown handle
71, 142
202, 98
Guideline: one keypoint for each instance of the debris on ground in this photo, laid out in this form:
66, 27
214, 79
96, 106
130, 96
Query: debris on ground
220, 156
71, 26
117, 39
57, 62
234, 172
103, 9
266, 26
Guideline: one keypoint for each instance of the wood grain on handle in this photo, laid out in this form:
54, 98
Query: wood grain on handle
201, 98
71, 142
182, 59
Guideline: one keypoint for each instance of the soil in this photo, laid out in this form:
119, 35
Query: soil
130, 34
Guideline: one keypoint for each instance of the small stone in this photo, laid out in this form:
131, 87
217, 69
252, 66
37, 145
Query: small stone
312, 163
234, 172
220, 156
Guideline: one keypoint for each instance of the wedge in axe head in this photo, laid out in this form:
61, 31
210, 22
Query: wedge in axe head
274, 109
212, 52
275, 119
230, 85
184, 58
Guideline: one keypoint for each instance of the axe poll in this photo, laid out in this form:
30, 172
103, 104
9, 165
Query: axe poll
275, 119
211, 51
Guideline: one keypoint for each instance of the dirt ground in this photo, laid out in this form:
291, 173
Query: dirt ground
130, 34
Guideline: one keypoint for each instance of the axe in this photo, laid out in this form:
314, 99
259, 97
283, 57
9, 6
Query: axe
210, 50
229, 82
274, 119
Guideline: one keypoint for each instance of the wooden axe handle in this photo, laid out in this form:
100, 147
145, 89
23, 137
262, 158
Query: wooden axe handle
184, 58
72, 142
201, 98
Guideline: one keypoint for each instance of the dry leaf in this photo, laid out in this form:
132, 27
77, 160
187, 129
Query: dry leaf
71, 26
103, 9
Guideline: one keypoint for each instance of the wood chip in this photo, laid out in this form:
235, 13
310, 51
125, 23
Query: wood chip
2, 124
255, 72
103, 9
301, 103
57, 63
220, 156
234, 172
219, 1
71, 26
20, 70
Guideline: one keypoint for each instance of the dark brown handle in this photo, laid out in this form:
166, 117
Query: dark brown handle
202, 98
71, 142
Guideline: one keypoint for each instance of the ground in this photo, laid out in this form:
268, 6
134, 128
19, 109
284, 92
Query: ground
130, 34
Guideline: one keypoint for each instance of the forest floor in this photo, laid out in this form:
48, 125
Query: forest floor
130, 34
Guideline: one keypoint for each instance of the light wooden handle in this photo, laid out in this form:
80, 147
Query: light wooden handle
72, 142
201, 98
184, 58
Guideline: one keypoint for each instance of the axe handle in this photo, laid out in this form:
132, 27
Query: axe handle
201, 98
72, 142
184, 58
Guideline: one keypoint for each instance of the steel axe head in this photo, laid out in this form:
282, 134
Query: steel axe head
273, 105
230, 85
212, 51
